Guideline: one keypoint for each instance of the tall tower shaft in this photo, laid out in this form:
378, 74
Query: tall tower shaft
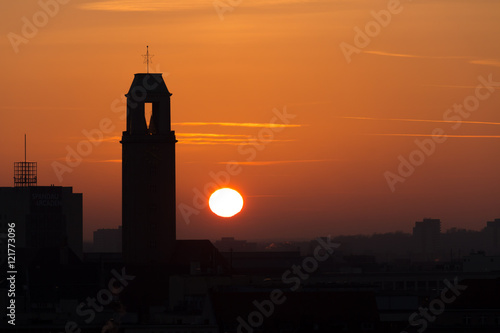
148, 173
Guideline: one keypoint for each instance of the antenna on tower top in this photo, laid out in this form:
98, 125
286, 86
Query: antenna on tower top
147, 58
24, 147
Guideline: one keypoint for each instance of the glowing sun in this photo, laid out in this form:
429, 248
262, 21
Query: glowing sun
225, 202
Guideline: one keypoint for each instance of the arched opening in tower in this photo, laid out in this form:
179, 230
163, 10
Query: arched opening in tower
150, 114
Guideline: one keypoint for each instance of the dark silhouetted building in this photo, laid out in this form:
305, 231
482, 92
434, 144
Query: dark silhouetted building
44, 217
492, 233
480, 262
227, 244
108, 240
148, 173
426, 236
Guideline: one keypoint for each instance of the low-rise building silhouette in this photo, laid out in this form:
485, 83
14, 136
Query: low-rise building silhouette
227, 244
108, 240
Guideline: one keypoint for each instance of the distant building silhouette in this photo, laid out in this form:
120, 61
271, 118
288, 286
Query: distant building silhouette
227, 244
108, 240
148, 173
426, 237
480, 262
45, 217
492, 233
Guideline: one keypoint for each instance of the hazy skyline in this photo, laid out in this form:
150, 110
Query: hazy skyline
351, 114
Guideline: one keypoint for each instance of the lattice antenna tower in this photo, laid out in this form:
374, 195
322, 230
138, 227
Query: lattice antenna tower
25, 173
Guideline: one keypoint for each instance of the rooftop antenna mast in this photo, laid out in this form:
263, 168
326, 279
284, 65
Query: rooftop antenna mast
25, 173
147, 58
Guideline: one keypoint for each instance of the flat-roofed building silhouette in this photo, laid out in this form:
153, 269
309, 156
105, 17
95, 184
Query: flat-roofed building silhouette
44, 216
108, 240
227, 244
492, 236
426, 237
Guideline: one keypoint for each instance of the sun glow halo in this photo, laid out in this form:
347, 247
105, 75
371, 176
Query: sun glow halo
225, 202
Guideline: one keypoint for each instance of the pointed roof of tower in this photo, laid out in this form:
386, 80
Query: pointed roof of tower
150, 82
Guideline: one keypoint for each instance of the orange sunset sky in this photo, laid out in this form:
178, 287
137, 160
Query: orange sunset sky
232, 63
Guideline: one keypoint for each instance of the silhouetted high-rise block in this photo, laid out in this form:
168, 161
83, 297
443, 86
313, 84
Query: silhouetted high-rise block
427, 237
44, 217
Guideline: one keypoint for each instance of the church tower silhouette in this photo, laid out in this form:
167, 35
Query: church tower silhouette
148, 173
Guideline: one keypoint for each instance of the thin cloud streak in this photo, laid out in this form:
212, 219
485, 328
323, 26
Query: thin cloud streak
105, 161
430, 135
263, 163
455, 86
261, 125
425, 120
89, 160
168, 6
115, 138
268, 196
142, 6
401, 55
188, 137
210, 135
486, 62
215, 141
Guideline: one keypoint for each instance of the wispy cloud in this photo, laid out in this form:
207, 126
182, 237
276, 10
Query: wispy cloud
211, 135
454, 86
171, 5
104, 161
486, 62
430, 135
91, 160
212, 138
268, 196
141, 6
424, 120
471, 60
263, 163
218, 139
115, 138
202, 139
227, 124
222, 141
402, 55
